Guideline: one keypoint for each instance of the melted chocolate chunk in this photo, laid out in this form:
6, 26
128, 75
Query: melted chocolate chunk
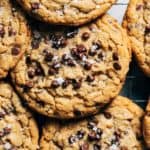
92, 52
68, 61
71, 32
85, 36
35, 44
117, 66
56, 65
84, 146
147, 30
91, 125
35, 5
96, 46
66, 83
28, 60
48, 56
15, 50
81, 48
52, 71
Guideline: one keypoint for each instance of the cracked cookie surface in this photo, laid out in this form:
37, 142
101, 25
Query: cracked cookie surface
146, 125
73, 72
14, 36
137, 23
66, 12
18, 129
113, 129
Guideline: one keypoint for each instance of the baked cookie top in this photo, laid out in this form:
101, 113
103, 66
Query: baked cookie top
146, 125
110, 130
66, 12
73, 72
137, 23
14, 36
18, 129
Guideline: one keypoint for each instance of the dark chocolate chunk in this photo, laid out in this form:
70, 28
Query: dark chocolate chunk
80, 134
117, 66
15, 49
85, 36
54, 84
107, 115
115, 56
96, 147
90, 78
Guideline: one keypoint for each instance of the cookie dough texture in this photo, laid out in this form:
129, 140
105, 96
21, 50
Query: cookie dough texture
146, 125
66, 12
137, 23
114, 129
18, 130
73, 72
14, 36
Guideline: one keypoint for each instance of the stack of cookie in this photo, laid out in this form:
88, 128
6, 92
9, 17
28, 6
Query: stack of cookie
69, 64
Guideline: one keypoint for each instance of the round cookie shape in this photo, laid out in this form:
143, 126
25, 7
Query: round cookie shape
137, 24
66, 12
18, 129
14, 36
73, 72
146, 125
110, 130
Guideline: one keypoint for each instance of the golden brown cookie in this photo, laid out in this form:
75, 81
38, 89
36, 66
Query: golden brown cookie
18, 129
146, 125
66, 12
137, 24
73, 72
110, 130
14, 35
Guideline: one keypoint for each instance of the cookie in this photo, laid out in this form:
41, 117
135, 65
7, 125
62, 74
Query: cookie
146, 125
18, 129
73, 72
110, 130
14, 36
137, 24
66, 12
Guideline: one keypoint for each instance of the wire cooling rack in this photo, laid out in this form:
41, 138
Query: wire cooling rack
137, 85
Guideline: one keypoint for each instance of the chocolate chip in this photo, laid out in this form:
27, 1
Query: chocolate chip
65, 83
7, 130
96, 46
117, 66
28, 60
2, 114
81, 48
15, 50
2, 31
58, 41
39, 71
85, 36
56, 65
52, 71
11, 32
139, 7
31, 73
84, 146
35, 5
80, 134
35, 44
91, 125
76, 84
92, 52
115, 56
87, 66
90, 78
147, 30
124, 148
1, 133
48, 56
96, 147
68, 61
72, 139
107, 115
101, 55
54, 84
92, 136
71, 32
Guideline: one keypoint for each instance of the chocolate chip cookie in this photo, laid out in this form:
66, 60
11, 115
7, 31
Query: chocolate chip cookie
18, 130
73, 72
66, 12
146, 125
14, 36
137, 23
111, 130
